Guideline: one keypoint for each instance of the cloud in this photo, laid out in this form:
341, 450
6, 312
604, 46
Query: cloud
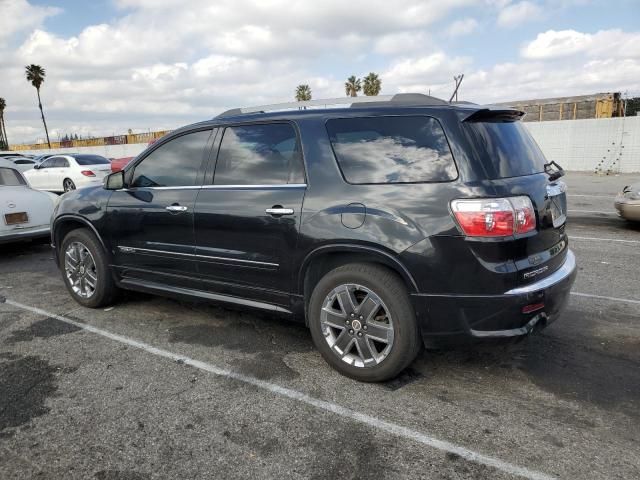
462, 27
159, 65
563, 43
514, 14
19, 15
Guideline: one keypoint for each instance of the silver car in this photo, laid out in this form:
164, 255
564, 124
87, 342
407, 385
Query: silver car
627, 202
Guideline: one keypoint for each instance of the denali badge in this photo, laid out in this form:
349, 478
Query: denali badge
127, 249
538, 271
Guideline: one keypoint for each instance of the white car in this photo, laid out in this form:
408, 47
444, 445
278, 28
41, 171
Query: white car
62, 173
19, 163
26, 213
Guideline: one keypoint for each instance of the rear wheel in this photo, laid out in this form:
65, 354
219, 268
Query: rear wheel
362, 322
68, 185
85, 270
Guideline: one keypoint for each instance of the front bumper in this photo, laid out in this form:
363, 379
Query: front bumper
448, 319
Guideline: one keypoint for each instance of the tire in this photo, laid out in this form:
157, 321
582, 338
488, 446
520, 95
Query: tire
68, 185
368, 284
80, 248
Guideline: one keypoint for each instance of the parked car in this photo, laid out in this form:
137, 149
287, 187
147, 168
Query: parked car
26, 213
627, 203
384, 226
19, 163
118, 164
62, 173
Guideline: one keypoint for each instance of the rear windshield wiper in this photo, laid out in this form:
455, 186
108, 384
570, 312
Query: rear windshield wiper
554, 171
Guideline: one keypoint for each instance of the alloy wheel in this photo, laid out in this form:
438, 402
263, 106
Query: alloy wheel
80, 270
68, 185
357, 325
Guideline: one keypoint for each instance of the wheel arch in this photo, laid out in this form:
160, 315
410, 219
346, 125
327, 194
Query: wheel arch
324, 259
66, 223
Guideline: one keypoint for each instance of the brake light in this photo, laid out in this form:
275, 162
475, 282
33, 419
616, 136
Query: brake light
88, 173
494, 217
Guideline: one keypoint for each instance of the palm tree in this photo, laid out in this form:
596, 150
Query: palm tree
352, 86
371, 84
303, 93
4, 141
35, 75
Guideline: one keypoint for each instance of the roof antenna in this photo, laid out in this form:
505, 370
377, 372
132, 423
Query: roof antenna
458, 80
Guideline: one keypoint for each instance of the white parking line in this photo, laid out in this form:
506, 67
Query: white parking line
598, 239
591, 211
589, 195
368, 420
603, 297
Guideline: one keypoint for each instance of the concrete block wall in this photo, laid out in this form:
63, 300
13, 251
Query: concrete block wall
584, 145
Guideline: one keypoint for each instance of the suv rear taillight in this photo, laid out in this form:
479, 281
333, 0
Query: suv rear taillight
494, 217
88, 173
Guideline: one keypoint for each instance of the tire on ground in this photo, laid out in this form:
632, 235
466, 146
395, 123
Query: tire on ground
393, 292
106, 290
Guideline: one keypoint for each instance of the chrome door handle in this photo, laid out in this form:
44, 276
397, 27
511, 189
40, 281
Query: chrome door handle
279, 211
176, 208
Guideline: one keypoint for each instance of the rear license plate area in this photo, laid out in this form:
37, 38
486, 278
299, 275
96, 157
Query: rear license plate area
557, 204
16, 218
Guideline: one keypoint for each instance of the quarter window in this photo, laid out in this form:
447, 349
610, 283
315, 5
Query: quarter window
266, 154
174, 164
392, 150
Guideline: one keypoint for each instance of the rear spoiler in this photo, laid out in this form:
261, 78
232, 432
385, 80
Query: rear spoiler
491, 114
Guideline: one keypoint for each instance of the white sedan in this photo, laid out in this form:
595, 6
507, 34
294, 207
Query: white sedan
26, 213
62, 173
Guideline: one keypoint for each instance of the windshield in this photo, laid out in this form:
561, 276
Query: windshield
507, 146
91, 160
10, 178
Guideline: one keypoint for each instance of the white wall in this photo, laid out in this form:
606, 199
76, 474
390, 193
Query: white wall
582, 145
577, 145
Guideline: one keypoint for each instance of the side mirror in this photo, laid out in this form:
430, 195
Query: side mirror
36, 166
114, 181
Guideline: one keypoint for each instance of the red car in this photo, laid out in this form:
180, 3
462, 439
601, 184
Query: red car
118, 164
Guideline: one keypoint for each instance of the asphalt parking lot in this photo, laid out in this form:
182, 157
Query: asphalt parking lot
155, 388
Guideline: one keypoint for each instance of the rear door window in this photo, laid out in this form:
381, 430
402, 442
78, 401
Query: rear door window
407, 149
264, 154
506, 146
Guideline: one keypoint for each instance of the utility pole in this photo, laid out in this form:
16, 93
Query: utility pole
458, 80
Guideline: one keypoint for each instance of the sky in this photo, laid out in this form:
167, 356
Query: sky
115, 65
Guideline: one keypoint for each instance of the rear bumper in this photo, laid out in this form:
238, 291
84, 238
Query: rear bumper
446, 319
20, 234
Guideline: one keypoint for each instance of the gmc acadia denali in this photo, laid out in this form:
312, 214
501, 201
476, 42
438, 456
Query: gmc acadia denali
385, 225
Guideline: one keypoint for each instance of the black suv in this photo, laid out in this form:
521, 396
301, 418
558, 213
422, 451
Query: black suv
384, 225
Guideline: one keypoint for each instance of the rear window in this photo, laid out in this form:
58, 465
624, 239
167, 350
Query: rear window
10, 178
90, 160
406, 149
510, 149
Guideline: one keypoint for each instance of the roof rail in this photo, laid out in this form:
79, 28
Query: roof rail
414, 99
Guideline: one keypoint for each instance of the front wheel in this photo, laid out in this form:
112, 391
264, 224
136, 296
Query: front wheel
85, 269
68, 185
362, 322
